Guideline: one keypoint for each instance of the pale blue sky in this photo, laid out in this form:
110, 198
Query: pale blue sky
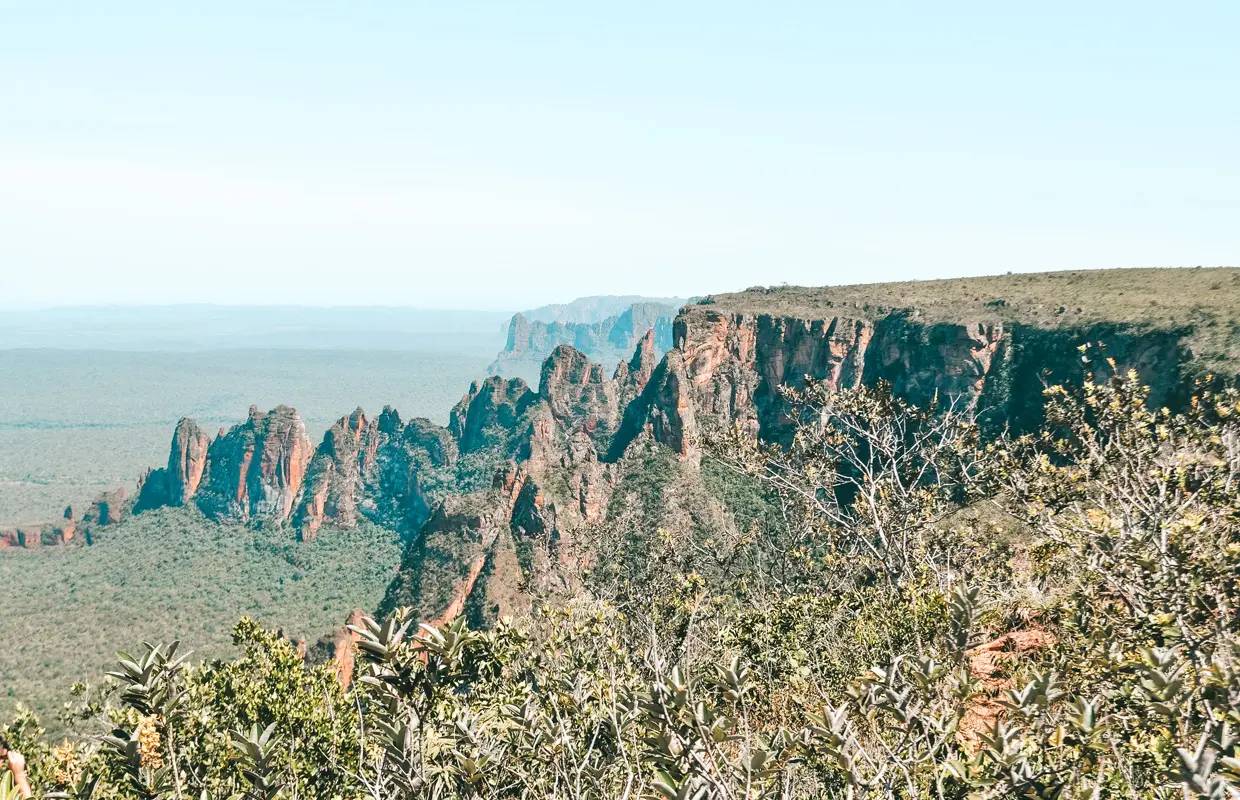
503, 155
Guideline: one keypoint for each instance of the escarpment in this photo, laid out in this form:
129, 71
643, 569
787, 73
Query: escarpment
737, 363
730, 361
492, 506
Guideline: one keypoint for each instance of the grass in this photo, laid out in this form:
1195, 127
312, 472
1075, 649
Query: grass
171, 574
1203, 302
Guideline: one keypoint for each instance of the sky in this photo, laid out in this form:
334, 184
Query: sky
502, 155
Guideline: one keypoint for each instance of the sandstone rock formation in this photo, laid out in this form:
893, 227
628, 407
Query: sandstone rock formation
187, 461
495, 404
491, 506
728, 364
334, 479
255, 469
108, 508
491, 552
477, 555
60, 532
737, 362
384, 470
64, 532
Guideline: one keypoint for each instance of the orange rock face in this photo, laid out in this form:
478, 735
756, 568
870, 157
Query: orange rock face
255, 470
344, 656
334, 482
187, 461
992, 665
736, 363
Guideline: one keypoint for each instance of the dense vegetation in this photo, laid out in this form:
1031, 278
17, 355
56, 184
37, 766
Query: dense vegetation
910, 611
172, 574
1203, 304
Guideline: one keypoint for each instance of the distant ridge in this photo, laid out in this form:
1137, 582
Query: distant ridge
595, 308
531, 336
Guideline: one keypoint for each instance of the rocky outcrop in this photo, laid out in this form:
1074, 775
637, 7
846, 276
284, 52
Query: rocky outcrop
333, 485
177, 483
255, 469
60, 532
632, 376
187, 461
664, 411
108, 508
64, 532
578, 393
463, 560
384, 470
489, 408
494, 551
29, 537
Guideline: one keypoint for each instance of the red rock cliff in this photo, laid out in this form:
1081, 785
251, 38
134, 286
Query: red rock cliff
255, 470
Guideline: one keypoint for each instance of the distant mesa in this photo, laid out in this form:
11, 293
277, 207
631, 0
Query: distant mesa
596, 308
531, 340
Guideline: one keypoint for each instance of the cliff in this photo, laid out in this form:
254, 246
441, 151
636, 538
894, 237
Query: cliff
992, 343
493, 507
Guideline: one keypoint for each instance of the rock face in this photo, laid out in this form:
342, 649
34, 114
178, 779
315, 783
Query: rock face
665, 411
187, 461
736, 363
177, 483
496, 403
334, 480
463, 559
108, 508
255, 470
65, 529
383, 470
491, 552
64, 532
492, 506
530, 342
578, 393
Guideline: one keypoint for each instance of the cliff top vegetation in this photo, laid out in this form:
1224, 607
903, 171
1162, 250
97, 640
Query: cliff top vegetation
1205, 302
